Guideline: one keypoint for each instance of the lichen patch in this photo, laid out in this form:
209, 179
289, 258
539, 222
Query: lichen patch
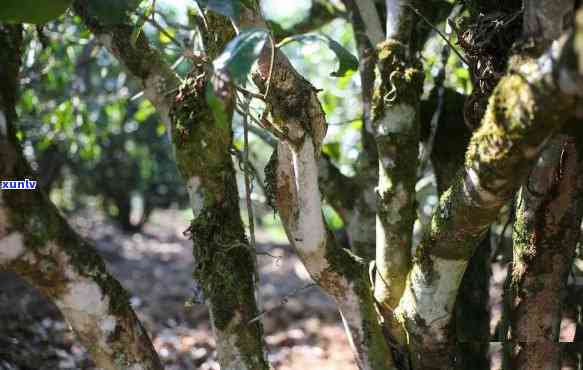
11, 247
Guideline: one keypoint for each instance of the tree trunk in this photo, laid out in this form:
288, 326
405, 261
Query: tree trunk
224, 260
38, 244
523, 112
545, 236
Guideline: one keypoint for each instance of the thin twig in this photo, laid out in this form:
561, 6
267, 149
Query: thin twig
248, 190
462, 58
283, 302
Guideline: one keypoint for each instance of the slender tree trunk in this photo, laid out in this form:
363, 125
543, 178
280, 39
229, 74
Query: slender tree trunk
396, 130
38, 244
224, 260
361, 224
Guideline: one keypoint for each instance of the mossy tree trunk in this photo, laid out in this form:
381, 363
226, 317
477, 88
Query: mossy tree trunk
546, 233
548, 219
472, 316
225, 266
526, 108
398, 311
37, 243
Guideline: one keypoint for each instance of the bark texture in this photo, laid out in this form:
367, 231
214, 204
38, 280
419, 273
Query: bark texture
472, 316
340, 273
526, 108
293, 172
202, 142
361, 223
37, 243
546, 233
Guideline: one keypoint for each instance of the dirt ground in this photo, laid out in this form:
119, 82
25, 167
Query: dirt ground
155, 267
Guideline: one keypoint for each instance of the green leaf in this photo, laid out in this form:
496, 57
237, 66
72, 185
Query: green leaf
228, 8
346, 61
332, 150
112, 12
32, 11
142, 21
241, 52
217, 106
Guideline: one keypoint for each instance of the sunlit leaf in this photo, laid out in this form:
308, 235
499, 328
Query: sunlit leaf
241, 52
32, 11
165, 37
346, 61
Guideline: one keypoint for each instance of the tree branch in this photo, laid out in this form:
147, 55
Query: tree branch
37, 243
338, 189
526, 108
294, 106
371, 20
321, 13
362, 222
225, 262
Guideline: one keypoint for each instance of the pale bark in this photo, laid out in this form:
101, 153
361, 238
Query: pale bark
299, 204
472, 318
361, 223
526, 108
372, 21
396, 130
225, 268
37, 243
295, 108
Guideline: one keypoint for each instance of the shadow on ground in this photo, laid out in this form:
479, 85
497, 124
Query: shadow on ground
155, 267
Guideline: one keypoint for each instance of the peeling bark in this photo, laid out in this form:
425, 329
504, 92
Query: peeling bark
296, 110
37, 243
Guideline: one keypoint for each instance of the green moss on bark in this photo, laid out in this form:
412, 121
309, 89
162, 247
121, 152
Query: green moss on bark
224, 260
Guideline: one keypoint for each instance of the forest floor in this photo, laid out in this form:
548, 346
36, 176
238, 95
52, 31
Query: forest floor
155, 266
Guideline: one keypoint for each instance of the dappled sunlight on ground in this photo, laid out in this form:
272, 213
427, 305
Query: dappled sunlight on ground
156, 266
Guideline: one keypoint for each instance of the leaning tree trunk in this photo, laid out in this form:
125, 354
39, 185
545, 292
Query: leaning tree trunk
546, 233
293, 174
224, 260
526, 108
472, 316
37, 243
